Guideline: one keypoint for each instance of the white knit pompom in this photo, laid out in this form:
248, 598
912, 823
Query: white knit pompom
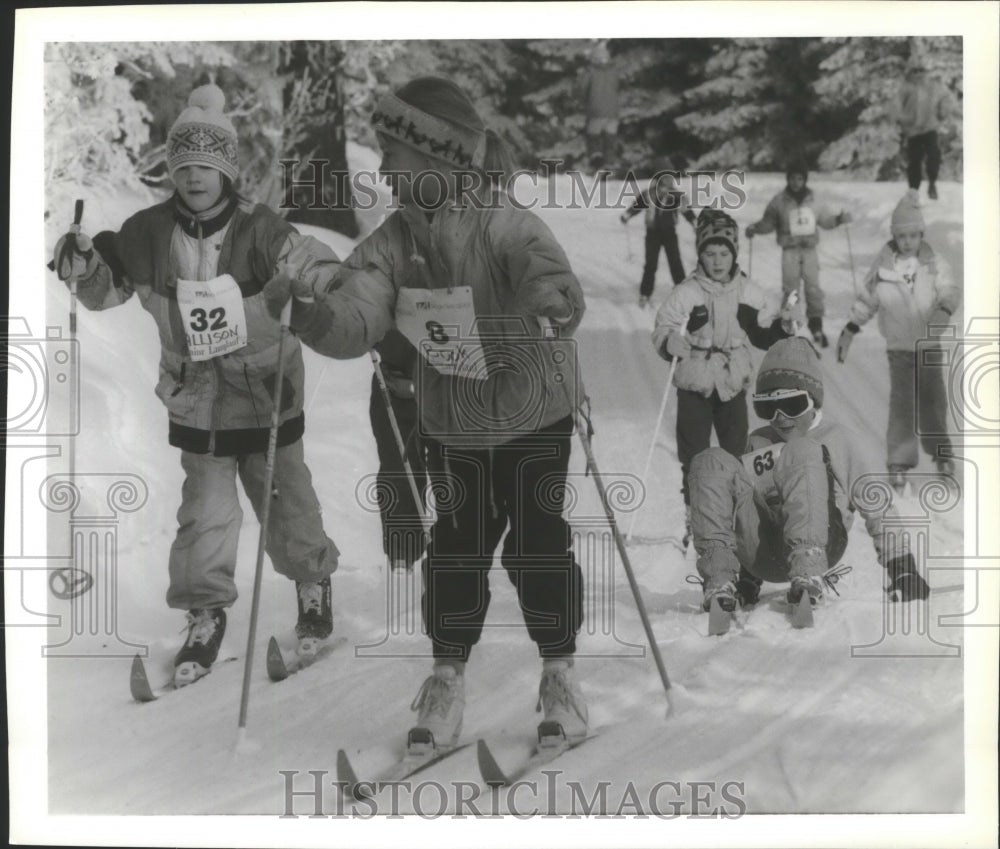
208, 97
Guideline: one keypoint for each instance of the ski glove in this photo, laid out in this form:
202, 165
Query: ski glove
751, 232
76, 261
905, 583
280, 288
844, 342
675, 347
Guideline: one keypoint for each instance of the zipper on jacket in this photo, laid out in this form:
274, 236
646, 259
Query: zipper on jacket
217, 403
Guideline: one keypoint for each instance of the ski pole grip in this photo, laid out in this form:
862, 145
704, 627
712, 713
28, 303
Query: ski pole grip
286, 313
77, 214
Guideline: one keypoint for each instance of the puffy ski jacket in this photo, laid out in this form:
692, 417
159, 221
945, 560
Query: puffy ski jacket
517, 272
731, 316
923, 105
858, 484
906, 296
784, 211
220, 406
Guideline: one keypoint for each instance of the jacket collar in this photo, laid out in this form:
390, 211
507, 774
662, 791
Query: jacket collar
211, 220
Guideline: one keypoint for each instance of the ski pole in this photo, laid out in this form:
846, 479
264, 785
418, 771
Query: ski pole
652, 445
750, 260
66, 259
628, 241
272, 450
584, 430
850, 256
387, 400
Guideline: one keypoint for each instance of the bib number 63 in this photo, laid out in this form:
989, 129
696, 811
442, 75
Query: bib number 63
763, 463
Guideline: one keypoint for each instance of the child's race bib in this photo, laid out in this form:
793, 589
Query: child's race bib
760, 466
213, 316
441, 324
802, 222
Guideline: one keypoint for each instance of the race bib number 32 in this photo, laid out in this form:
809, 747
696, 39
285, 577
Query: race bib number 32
441, 324
213, 316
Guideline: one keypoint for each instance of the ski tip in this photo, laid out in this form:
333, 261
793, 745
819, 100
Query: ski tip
139, 682
488, 766
276, 668
802, 613
719, 620
347, 778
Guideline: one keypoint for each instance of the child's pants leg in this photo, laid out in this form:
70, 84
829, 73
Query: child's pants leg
731, 424
402, 529
810, 280
529, 475
652, 259
933, 156
203, 555
901, 439
932, 409
725, 522
456, 589
812, 527
296, 543
694, 429
673, 250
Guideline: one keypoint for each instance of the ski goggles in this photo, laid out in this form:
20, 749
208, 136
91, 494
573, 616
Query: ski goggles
791, 403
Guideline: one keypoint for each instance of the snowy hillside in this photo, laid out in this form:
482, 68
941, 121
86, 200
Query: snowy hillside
788, 721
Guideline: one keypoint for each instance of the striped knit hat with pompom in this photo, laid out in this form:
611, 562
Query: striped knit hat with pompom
716, 226
203, 135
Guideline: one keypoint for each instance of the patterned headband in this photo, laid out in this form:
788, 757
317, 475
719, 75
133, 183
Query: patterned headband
454, 143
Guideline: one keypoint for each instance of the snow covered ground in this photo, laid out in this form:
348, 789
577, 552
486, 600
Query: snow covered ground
864, 714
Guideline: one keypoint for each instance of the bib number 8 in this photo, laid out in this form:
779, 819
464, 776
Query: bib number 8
436, 332
763, 463
200, 319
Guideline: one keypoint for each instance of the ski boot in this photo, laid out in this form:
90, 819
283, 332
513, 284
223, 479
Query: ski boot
440, 703
688, 533
206, 629
813, 585
897, 479
816, 329
643, 301
315, 621
932, 191
559, 696
727, 595
747, 588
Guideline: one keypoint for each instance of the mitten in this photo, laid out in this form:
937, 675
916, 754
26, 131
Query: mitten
844, 342
751, 232
676, 347
74, 257
905, 582
280, 288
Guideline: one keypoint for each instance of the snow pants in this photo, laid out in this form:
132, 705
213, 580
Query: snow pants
696, 416
802, 264
919, 148
658, 238
778, 528
402, 528
203, 555
924, 417
478, 493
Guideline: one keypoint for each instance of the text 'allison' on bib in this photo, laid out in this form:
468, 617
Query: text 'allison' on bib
214, 319
441, 324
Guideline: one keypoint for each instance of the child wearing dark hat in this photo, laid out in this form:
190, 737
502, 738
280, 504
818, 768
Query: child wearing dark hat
198, 263
793, 215
664, 203
781, 511
708, 323
911, 288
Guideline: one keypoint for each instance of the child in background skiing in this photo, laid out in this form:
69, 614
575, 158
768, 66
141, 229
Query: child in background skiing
923, 105
402, 519
469, 277
709, 322
792, 214
782, 511
911, 288
663, 202
199, 263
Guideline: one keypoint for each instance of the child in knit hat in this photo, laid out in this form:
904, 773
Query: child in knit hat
781, 511
484, 292
708, 324
198, 263
664, 203
793, 214
911, 288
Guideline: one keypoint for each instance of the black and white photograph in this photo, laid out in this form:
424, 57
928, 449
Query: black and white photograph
491, 424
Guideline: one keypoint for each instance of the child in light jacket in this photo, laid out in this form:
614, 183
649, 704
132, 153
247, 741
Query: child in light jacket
910, 287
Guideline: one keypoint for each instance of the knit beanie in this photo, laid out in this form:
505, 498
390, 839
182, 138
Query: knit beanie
791, 363
799, 168
907, 215
203, 135
442, 138
717, 226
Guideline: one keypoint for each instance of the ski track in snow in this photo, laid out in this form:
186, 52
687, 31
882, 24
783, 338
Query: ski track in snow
803, 725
